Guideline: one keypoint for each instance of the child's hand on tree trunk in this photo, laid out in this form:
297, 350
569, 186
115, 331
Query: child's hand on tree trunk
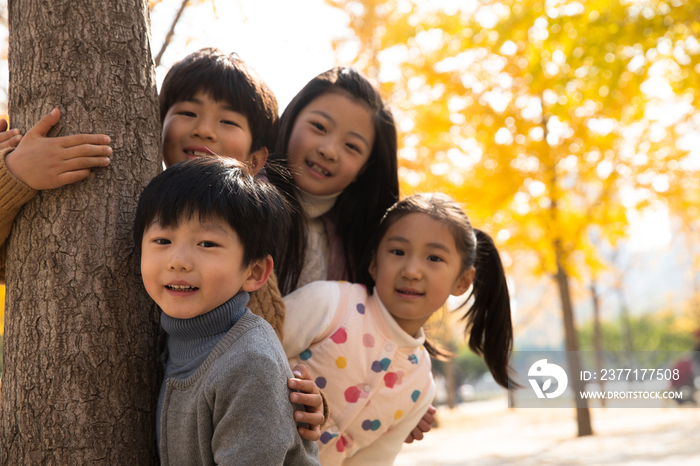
47, 163
8, 138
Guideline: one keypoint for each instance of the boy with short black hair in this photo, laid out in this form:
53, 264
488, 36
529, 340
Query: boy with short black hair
206, 232
214, 103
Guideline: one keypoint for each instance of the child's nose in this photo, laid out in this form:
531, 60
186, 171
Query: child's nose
180, 262
328, 150
204, 129
411, 269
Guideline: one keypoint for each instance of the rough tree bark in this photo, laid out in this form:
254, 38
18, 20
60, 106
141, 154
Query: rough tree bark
81, 353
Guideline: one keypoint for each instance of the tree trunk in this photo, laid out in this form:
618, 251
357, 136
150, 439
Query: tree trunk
625, 317
597, 342
81, 372
583, 416
622, 302
450, 383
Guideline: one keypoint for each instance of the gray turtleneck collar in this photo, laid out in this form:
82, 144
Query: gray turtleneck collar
190, 341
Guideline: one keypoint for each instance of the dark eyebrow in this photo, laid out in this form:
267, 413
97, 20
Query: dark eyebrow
214, 225
439, 246
197, 101
397, 238
324, 114
327, 116
435, 245
229, 108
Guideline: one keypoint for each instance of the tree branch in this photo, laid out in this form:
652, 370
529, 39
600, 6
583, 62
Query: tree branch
170, 33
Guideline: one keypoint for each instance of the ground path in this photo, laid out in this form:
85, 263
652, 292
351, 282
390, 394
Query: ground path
487, 433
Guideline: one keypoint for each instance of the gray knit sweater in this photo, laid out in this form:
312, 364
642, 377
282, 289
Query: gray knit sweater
234, 407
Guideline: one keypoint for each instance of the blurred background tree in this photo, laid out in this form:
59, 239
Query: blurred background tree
546, 118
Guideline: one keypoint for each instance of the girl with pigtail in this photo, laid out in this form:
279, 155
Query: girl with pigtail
364, 343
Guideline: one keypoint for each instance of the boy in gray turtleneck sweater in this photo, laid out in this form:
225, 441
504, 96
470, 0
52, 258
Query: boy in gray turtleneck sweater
207, 232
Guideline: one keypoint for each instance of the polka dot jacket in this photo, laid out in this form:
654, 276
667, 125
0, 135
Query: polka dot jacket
376, 377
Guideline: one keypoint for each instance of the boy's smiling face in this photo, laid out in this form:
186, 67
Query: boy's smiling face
194, 267
202, 126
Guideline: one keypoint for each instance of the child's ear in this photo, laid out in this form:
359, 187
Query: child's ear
258, 273
256, 160
463, 282
373, 268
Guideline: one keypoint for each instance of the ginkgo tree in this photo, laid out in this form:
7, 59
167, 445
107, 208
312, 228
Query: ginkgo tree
544, 117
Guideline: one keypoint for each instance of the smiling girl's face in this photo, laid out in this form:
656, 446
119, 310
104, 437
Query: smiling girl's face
330, 143
417, 266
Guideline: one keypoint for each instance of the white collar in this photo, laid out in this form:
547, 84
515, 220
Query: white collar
396, 333
313, 205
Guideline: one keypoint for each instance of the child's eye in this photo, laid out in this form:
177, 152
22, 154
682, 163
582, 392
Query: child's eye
231, 123
318, 126
433, 258
353, 147
161, 241
208, 244
396, 252
187, 113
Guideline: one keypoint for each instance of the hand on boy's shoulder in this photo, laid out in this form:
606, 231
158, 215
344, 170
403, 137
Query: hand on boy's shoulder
307, 393
47, 163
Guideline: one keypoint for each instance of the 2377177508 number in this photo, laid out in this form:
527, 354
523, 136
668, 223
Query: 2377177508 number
639, 374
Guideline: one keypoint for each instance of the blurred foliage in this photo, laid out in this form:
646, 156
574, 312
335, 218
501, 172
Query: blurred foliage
469, 367
550, 120
661, 331
544, 117
445, 329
